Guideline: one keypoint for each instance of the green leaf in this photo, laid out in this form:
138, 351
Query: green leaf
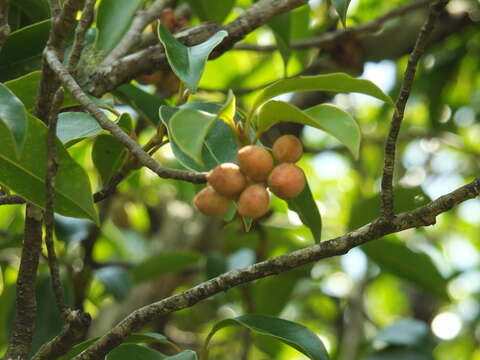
74, 126
116, 279
188, 62
290, 333
189, 128
208, 10
341, 6
335, 82
26, 174
36, 10
306, 208
184, 355
108, 154
77, 349
134, 352
227, 112
14, 116
146, 338
17, 59
367, 210
145, 103
114, 18
396, 258
220, 144
164, 263
328, 118
406, 332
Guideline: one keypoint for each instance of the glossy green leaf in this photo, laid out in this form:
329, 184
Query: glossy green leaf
14, 116
134, 352
25, 175
146, 338
17, 59
108, 154
163, 263
189, 128
184, 355
367, 210
73, 126
208, 10
341, 6
290, 333
117, 281
227, 112
335, 82
145, 103
77, 349
220, 144
396, 258
405, 332
188, 62
306, 208
114, 18
328, 118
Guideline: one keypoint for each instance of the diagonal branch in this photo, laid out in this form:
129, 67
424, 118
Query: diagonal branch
115, 130
388, 209
133, 36
423, 216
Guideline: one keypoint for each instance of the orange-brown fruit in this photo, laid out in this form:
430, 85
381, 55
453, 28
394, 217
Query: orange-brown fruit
227, 179
286, 181
209, 202
254, 201
255, 162
287, 148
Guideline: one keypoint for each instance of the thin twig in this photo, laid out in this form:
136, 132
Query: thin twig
137, 151
388, 209
422, 216
52, 166
79, 41
133, 36
337, 35
4, 27
25, 299
11, 199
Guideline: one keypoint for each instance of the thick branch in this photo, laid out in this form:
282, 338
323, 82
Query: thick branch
153, 58
115, 130
423, 216
133, 36
388, 209
26, 305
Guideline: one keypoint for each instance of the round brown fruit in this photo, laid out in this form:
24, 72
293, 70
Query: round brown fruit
209, 202
255, 162
254, 201
286, 181
227, 179
287, 149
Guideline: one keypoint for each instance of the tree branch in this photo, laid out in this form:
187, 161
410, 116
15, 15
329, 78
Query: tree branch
133, 36
153, 58
388, 209
26, 305
115, 130
423, 216
337, 35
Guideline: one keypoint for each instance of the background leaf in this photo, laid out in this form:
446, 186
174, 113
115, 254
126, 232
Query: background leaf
395, 257
188, 62
306, 208
74, 126
16, 59
341, 6
291, 333
134, 352
114, 18
26, 174
14, 116
406, 332
220, 144
215, 11
335, 82
328, 118
117, 281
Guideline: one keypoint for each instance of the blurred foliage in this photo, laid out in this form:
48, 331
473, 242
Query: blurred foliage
415, 295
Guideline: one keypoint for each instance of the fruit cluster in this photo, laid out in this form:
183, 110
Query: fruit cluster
247, 182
